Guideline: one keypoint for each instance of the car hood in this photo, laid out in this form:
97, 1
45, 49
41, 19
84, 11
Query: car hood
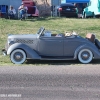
23, 36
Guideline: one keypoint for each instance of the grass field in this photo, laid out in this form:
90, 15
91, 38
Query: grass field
81, 26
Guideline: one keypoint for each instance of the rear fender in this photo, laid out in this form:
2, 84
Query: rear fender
94, 49
31, 54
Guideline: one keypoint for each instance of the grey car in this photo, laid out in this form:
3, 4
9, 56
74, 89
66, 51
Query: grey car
46, 45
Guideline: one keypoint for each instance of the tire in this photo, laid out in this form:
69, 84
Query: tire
85, 15
18, 56
94, 15
85, 56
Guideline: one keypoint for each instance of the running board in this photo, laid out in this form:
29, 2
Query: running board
57, 58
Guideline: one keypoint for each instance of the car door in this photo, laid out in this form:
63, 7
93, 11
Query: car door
71, 43
50, 46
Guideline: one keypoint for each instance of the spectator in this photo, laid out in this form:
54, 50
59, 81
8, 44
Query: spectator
22, 11
11, 12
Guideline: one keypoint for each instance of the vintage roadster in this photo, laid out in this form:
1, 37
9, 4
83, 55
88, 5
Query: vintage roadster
45, 45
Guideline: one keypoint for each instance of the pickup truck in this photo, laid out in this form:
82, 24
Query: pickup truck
93, 9
32, 9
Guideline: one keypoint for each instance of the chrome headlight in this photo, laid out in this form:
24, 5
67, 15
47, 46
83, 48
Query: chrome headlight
10, 41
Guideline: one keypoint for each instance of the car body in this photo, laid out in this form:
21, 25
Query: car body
67, 10
92, 10
50, 45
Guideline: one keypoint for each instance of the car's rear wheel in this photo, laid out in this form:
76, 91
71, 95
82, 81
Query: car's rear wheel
18, 56
85, 56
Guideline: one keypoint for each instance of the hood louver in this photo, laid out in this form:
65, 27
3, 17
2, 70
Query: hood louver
25, 41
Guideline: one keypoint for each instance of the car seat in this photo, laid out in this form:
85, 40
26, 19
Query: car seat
47, 34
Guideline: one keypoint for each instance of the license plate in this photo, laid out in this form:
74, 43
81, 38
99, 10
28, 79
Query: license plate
28, 14
68, 9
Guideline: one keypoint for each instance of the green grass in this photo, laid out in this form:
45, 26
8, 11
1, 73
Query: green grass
81, 26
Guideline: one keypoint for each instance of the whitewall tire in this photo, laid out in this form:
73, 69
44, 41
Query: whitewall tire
85, 56
18, 56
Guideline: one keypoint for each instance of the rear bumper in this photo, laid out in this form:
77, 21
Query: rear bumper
71, 14
36, 14
98, 14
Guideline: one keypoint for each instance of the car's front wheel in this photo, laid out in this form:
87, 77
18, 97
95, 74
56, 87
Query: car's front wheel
85, 56
18, 56
84, 15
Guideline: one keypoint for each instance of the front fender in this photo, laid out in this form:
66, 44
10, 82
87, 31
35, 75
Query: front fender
31, 54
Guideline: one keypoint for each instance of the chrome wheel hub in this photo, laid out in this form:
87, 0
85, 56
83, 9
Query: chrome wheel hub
18, 56
85, 55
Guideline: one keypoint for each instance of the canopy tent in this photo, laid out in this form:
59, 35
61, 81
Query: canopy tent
75, 1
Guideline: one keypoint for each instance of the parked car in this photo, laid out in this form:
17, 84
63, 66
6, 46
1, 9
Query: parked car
92, 10
32, 9
67, 10
51, 45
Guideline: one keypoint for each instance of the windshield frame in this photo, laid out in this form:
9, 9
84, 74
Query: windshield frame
40, 31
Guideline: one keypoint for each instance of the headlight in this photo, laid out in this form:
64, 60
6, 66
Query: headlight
10, 41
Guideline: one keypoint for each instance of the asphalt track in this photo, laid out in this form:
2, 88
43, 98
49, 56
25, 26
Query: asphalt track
50, 82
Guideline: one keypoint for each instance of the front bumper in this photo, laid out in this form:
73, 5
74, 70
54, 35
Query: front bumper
4, 52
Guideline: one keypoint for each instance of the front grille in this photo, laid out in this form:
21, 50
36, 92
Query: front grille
25, 41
